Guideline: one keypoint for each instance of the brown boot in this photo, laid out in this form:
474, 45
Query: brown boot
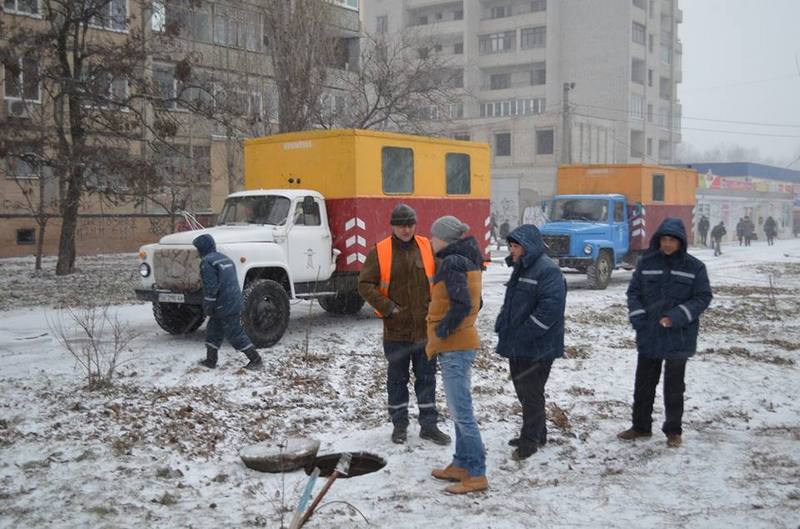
631, 434
674, 440
450, 473
469, 484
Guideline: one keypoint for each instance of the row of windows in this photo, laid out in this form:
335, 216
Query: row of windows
397, 165
113, 15
537, 75
514, 107
529, 38
508, 10
544, 142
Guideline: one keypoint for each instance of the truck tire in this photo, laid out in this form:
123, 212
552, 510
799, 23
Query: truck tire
599, 272
266, 312
178, 318
348, 302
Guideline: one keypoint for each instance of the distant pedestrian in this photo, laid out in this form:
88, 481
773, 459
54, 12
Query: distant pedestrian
505, 229
702, 227
493, 230
770, 230
717, 234
396, 281
453, 339
748, 231
740, 231
530, 330
223, 304
667, 294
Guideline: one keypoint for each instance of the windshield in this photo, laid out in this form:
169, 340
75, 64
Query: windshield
257, 209
585, 209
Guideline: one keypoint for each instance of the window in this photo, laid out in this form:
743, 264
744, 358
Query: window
538, 5
514, 107
463, 136
313, 218
439, 16
382, 24
649, 77
619, 212
658, 188
641, 4
533, 37
666, 55
539, 74
637, 106
458, 14
22, 79
544, 141
458, 48
349, 4
496, 42
637, 71
164, 77
458, 173
22, 164
26, 236
237, 29
502, 144
398, 170
422, 20
112, 15
665, 88
649, 113
28, 7
499, 81
650, 42
102, 88
500, 12
639, 34
649, 146
192, 20
456, 78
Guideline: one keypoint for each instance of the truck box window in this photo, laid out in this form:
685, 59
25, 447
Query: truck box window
398, 170
658, 188
619, 212
457, 173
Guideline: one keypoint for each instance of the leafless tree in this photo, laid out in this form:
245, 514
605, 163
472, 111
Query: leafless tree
403, 83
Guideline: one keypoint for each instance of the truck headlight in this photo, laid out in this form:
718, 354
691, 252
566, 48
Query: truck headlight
587, 249
144, 270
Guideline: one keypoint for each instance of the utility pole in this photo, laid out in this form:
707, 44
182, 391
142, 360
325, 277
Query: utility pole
566, 129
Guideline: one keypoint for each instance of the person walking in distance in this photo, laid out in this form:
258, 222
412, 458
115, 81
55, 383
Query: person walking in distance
667, 294
530, 330
703, 227
453, 339
717, 234
396, 281
770, 230
223, 304
740, 231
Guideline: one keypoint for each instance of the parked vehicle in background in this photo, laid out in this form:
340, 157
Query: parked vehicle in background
599, 219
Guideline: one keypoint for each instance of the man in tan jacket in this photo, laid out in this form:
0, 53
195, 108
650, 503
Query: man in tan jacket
395, 280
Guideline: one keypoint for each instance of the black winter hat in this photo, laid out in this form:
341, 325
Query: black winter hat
403, 215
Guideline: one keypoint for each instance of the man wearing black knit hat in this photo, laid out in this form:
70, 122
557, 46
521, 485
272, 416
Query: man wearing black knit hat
395, 280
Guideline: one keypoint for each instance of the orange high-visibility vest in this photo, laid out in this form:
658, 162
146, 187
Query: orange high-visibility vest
384, 253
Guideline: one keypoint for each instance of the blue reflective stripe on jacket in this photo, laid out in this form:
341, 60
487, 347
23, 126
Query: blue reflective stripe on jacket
531, 322
675, 286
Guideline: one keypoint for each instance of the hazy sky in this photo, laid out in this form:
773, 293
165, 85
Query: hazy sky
741, 62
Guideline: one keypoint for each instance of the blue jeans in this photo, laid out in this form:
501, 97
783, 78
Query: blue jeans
470, 454
230, 327
400, 355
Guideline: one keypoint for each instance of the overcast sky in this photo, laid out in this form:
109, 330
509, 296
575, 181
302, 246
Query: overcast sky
741, 62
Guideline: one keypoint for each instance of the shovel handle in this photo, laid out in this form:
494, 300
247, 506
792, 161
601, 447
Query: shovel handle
319, 497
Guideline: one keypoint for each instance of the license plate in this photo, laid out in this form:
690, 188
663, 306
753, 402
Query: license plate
170, 298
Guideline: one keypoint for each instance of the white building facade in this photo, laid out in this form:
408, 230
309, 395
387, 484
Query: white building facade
547, 82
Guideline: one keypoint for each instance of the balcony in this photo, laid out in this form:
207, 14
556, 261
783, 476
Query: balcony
679, 16
415, 4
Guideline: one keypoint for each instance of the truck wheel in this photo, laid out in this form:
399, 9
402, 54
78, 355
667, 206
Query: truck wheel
178, 318
599, 272
266, 312
342, 303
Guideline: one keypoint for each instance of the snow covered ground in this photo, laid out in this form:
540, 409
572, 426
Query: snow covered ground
159, 448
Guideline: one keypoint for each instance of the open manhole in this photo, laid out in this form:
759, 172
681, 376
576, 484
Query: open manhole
360, 463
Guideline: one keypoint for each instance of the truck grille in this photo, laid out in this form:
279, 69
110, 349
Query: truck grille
177, 269
556, 245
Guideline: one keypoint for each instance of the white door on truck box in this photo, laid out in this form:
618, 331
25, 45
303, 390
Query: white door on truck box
309, 243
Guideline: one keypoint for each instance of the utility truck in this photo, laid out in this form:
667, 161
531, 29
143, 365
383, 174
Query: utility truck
603, 215
315, 203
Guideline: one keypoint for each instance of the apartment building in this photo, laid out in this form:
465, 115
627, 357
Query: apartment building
229, 39
547, 82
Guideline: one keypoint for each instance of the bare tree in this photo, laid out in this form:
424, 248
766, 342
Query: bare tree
402, 83
301, 48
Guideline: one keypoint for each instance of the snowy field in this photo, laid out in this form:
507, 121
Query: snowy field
160, 448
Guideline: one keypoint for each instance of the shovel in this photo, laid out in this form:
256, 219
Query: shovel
342, 468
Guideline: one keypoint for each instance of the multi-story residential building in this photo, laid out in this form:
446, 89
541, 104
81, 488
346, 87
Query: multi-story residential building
547, 82
229, 39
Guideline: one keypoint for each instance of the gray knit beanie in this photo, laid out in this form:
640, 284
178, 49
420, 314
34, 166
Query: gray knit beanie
449, 229
403, 215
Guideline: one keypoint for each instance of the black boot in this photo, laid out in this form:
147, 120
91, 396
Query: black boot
211, 358
255, 363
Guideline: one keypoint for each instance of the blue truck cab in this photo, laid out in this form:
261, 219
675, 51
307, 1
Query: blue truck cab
590, 234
